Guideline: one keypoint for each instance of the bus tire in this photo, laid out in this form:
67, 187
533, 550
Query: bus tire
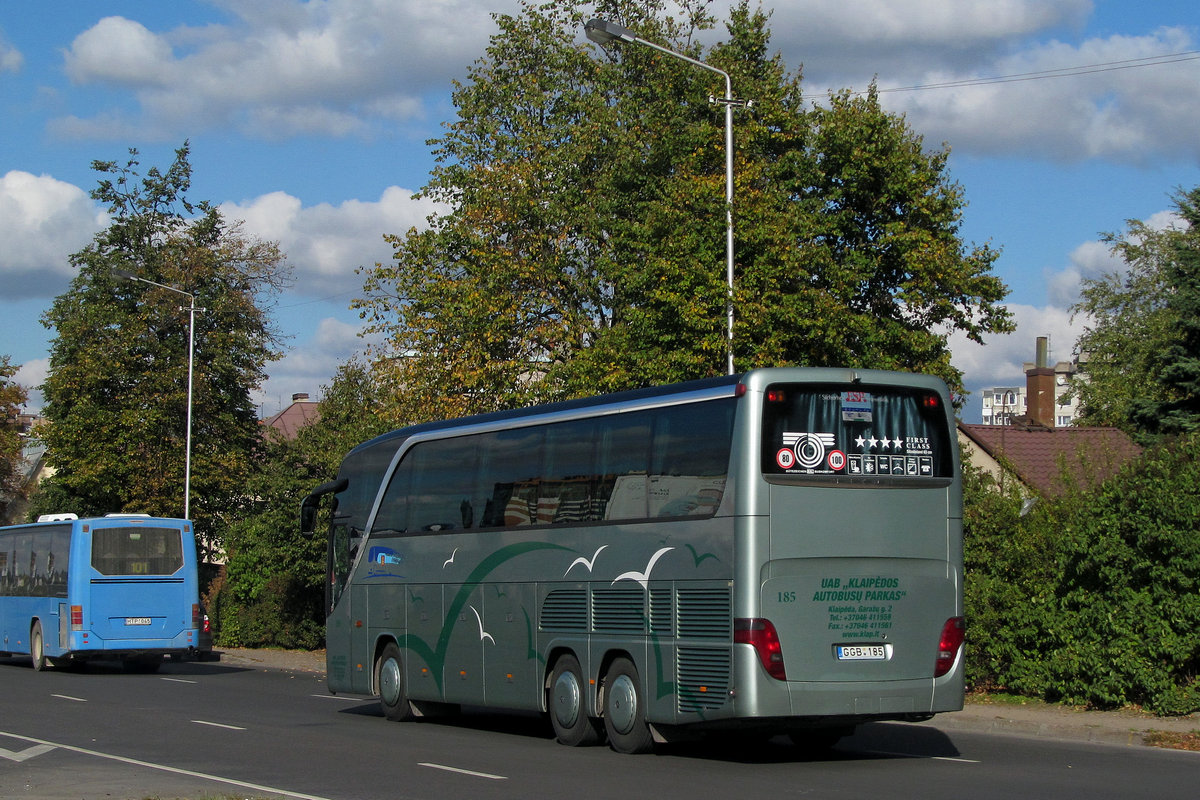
567, 703
625, 709
389, 681
37, 648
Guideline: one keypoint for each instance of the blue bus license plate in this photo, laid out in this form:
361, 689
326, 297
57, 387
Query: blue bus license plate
861, 652
137, 620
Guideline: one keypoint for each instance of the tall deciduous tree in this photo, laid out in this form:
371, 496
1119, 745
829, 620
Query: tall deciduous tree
585, 246
12, 397
117, 390
274, 586
1142, 336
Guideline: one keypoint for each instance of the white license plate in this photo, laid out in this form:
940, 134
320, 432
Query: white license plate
861, 652
137, 620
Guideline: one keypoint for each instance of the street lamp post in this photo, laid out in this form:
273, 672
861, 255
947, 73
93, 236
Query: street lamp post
191, 309
605, 32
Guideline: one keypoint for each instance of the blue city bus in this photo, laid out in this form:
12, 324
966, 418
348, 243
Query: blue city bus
778, 552
121, 586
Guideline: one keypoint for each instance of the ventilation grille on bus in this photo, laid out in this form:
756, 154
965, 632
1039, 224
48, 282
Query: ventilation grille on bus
703, 678
565, 610
619, 610
661, 613
704, 614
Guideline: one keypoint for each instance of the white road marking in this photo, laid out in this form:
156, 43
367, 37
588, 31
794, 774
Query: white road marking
344, 699
27, 753
472, 773
68, 697
218, 725
164, 768
177, 680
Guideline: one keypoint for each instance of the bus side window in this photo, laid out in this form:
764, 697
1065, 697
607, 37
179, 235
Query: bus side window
623, 459
508, 485
443, 476
569, 471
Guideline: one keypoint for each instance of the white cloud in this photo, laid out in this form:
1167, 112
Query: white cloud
326, 243
120, 51
42, 221
282, 69
1104, 107
357, 68
11, 59
309, 367
31, 375
1088, 260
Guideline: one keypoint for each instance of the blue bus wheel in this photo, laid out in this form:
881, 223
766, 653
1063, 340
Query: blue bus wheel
37, 648
568, 705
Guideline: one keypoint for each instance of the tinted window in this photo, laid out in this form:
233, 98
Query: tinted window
868, 432
137, 551
664, 462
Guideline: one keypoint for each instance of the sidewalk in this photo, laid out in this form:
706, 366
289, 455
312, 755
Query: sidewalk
1031, 719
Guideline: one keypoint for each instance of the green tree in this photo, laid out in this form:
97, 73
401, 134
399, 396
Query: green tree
1142, 332
12, 398
274, 583
117, 391
584, 249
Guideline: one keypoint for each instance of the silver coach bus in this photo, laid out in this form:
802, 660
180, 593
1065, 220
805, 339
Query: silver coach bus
778, 552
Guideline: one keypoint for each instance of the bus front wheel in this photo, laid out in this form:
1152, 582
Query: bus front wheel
389, 681
568, 705
625, 710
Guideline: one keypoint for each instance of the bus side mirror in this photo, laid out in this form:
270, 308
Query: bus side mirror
308, 509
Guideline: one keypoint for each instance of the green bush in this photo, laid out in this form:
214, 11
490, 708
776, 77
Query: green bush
1093, 598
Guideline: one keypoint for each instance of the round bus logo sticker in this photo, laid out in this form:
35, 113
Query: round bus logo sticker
785, 458
837, 460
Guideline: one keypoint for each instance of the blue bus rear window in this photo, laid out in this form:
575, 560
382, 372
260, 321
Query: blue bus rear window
137, 551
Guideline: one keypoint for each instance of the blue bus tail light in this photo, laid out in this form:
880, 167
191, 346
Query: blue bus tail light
76, 618
953, 634
760, 634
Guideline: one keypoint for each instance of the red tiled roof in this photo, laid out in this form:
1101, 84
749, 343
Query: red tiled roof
1041, 457
287, 423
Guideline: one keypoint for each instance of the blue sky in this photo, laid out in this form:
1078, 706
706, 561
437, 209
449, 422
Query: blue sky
308, 121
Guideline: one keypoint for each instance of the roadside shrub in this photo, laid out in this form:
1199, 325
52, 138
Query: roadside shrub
1093, 598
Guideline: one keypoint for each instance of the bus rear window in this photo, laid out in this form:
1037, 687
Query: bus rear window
137, 551
864, 432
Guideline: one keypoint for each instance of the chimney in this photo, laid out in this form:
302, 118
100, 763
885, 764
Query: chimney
1039, 386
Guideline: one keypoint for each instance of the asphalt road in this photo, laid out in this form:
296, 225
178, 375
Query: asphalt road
216, 730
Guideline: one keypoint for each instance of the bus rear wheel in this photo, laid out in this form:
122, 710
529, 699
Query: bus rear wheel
389, 681
625, 709
568, 705
37, 648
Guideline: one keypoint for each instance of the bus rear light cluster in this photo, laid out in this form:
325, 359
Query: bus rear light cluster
953, 634
760, 634
196, 615
76, 618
